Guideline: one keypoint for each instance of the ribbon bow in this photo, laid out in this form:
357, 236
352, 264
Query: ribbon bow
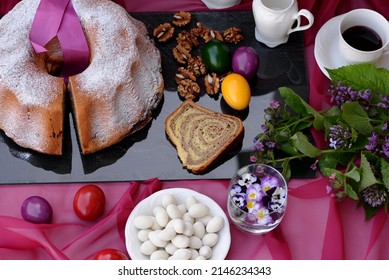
58, 18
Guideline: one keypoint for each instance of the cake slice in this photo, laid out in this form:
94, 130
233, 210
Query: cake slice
202, 136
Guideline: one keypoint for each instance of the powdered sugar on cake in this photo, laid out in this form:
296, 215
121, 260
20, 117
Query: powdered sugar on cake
18, 72
112, 98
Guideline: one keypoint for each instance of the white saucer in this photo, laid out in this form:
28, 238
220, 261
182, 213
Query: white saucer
326, 48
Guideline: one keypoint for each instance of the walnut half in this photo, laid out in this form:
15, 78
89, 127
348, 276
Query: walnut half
182, 18
233, 35
188, 89
163, 32
212, 84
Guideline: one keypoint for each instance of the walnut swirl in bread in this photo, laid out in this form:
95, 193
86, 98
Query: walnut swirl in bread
201, 136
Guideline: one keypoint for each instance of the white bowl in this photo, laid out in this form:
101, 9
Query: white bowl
220, 4
146, 206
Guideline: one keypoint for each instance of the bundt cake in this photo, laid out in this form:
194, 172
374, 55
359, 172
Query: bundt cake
112, 98
202, 136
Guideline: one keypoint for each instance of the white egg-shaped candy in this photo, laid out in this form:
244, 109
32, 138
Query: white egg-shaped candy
187, 218
143, 234
205, 220
173, 211
167, 234
154, 238
195, 254
159, 255
195, 242
161, 216
143, 222
210, 239
189, 229
169, 224
190, 201
206, 252
182, 208
182, 254
155, 225
168, 199
147, 248
200, 258
198, 210
215, 224
178, 225
181, 241
199, 229
170, 248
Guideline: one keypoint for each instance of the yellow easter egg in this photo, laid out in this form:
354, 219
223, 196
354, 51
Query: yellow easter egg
236, 91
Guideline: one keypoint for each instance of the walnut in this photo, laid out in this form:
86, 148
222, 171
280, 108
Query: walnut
182, 18
212, 84
196, 65
188, 89
163, 32
184, 73
198, 30
210, 34
181, 54
233, 35
187, 39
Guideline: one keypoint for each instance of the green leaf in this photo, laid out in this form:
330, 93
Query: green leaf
327, 164
327, 171
362, 76
356, 117
385, 173
350, 192
336, 157
369, 211
293, 100
302, 144
286, 171
367, 176
318, 123
334, 111
288, 148
354, 174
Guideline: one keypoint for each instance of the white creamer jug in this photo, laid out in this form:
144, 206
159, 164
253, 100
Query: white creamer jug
276, 19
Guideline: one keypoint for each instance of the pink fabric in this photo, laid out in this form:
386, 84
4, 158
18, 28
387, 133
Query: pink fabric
315, 225
58, 18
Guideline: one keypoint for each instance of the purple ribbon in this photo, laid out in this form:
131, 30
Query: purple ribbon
58, 18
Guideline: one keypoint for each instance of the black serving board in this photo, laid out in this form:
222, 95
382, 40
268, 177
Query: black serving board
148, 153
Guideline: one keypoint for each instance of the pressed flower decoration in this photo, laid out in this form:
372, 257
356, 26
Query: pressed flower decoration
356, 130
259, 196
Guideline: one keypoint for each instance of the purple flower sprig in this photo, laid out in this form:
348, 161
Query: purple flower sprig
379, 142
341, 94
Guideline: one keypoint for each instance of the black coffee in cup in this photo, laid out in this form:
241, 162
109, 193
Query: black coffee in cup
362, 38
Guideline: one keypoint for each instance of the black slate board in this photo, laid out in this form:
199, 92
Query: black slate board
148, 153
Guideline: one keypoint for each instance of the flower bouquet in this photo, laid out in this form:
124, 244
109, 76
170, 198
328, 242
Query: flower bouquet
257, 198
355, 130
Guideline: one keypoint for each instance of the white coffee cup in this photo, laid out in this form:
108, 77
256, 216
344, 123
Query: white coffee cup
363, 21
276, 19
220, 4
